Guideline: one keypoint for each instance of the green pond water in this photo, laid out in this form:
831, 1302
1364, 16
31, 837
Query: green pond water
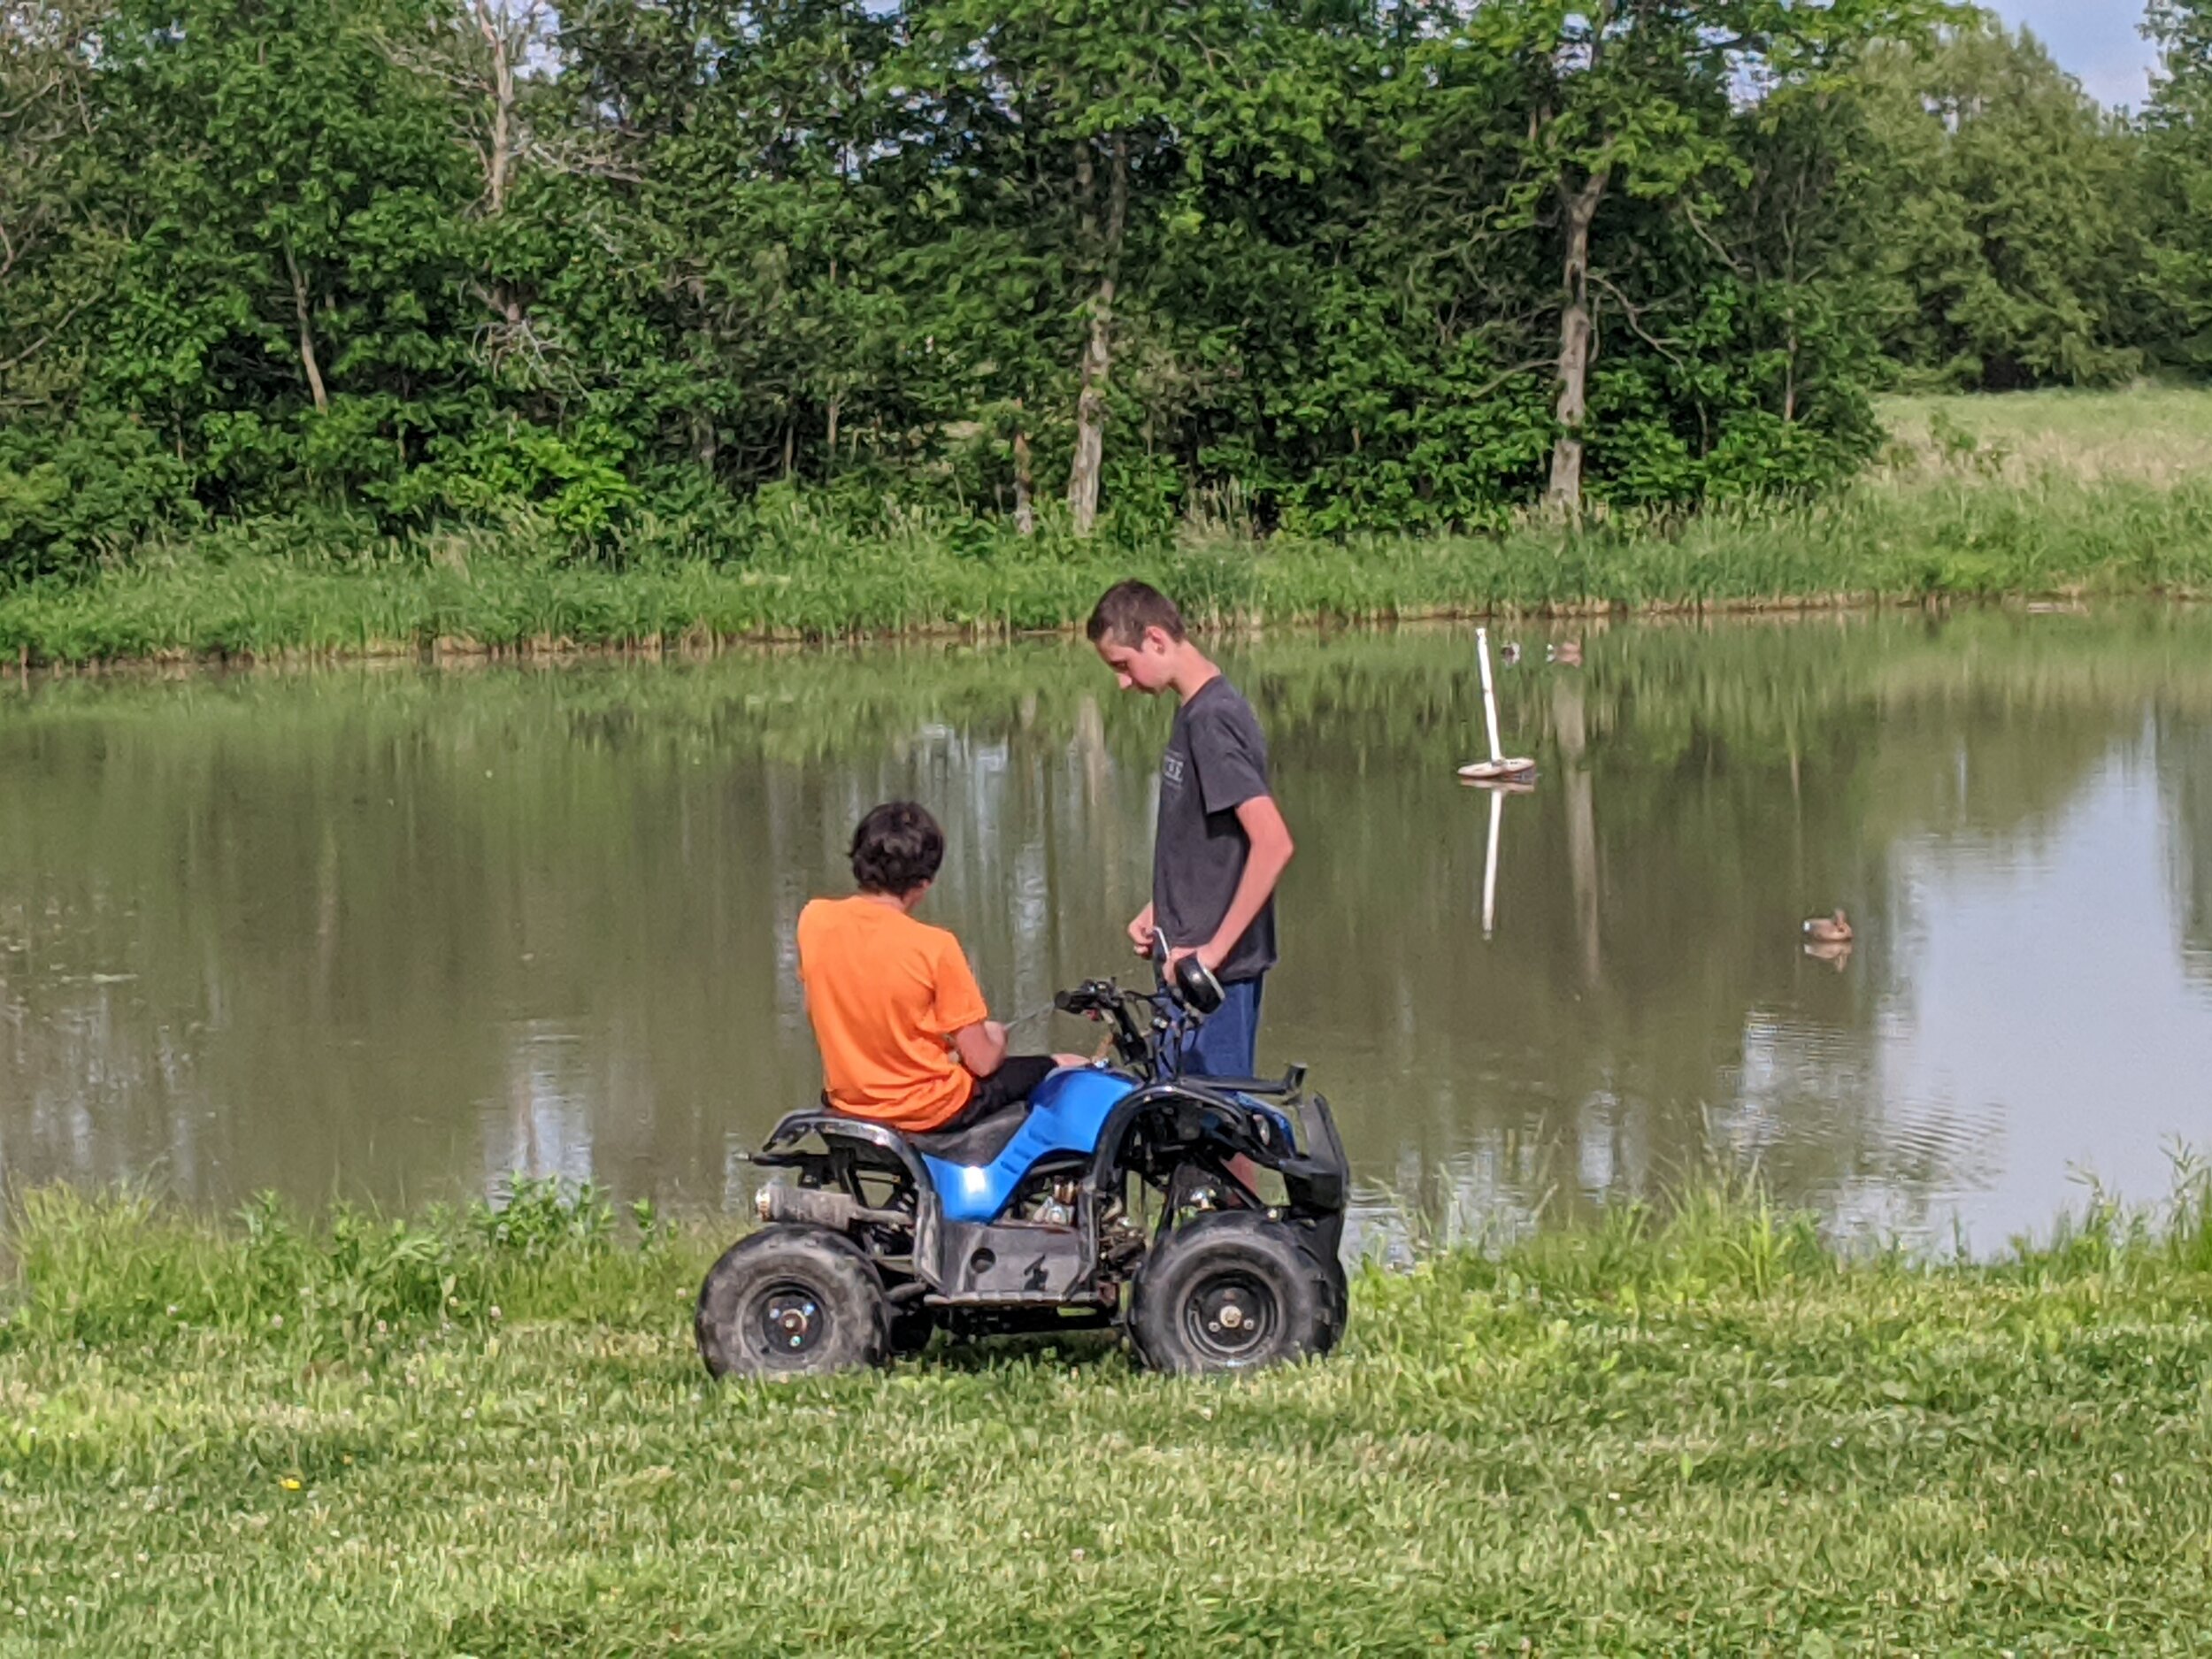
389, 934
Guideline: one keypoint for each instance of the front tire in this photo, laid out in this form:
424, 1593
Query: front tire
1230, 1292
1338, 1312
792, 1301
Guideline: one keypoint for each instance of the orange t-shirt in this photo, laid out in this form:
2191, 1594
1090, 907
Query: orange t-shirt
885, 991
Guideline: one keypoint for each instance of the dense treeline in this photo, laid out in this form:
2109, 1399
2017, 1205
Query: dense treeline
396, 265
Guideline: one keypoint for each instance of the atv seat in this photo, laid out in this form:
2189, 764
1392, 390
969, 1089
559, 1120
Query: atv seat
973, 1144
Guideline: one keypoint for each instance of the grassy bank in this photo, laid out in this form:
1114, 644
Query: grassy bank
2030, 496
489, 1434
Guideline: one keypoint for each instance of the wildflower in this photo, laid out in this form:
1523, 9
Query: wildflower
290, 1483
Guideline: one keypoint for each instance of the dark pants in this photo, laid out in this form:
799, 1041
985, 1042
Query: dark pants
1225, 1046
1011, 1085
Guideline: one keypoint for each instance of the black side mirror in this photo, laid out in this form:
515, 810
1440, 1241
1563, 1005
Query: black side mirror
1195, 986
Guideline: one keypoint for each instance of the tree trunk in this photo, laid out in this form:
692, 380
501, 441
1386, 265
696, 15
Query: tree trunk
1025, 484
501, 161
1098, 351
1576, 333
307, 334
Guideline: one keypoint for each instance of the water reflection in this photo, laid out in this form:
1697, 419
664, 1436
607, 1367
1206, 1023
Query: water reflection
392, 934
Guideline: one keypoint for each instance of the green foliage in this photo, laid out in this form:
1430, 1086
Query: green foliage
2015, 252
434, 266
100, 482
2177, 144
605, 274
104, 1271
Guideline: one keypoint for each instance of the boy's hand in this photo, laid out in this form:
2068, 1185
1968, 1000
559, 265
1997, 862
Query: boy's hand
1140, 931
1211, 955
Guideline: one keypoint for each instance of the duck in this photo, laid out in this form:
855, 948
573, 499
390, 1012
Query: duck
1829, 930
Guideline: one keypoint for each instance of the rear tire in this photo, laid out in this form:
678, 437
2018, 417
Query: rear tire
792, 1301
1231, 1291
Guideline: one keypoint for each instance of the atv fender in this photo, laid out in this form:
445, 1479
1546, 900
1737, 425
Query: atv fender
795, 1126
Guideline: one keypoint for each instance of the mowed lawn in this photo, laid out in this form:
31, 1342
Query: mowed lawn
1713, 1434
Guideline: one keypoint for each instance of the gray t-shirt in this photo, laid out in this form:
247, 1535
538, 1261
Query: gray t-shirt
1215, 761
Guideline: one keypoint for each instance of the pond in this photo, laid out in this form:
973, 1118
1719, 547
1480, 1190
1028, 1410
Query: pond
390, 934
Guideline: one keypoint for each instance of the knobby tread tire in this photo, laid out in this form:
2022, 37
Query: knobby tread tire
1339, 1306
1308, 1302
829, 1267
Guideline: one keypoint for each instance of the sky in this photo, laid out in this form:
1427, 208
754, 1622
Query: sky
2097, 39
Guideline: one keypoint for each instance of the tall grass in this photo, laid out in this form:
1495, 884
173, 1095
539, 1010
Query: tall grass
2149, 433
122, 1268
1959, 537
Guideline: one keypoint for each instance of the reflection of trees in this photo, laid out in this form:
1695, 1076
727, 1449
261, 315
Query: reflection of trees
2184, 771
361, 905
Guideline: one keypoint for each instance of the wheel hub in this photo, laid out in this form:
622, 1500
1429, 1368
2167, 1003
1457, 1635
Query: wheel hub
791, 1320
1230, 1316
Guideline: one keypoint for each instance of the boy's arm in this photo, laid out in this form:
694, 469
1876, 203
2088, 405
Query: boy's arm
962, 1014
982, 1046
1271, 848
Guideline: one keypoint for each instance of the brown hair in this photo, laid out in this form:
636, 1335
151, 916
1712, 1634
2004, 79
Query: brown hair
1127, 608
896, 847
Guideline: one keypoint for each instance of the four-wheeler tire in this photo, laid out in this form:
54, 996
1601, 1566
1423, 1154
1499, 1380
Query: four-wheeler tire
1340, 1308
1231, 1291
792, 1301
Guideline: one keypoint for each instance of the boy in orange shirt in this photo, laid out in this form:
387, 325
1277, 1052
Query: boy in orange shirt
905, 1037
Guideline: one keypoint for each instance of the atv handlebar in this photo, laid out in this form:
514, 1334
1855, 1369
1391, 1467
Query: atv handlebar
1148, 1028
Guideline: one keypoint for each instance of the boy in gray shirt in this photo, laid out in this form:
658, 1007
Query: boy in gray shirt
1221, 843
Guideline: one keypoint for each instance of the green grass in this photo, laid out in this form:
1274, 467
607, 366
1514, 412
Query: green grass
1711, 1433
1953, 540
2149, 435
2046, 495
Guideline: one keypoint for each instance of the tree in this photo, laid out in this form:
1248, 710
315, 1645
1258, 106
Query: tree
1636, 99
1058, 127
2177, 144
56, 204
1328, 265
2015, 255
746, 148
288, 309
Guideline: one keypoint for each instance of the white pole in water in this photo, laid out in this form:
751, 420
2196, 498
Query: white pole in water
1490, 866
1489, 693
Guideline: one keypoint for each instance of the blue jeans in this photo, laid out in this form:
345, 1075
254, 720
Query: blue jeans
1224, 1044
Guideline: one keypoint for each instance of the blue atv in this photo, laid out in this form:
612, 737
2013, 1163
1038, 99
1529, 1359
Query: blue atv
1202, 1215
